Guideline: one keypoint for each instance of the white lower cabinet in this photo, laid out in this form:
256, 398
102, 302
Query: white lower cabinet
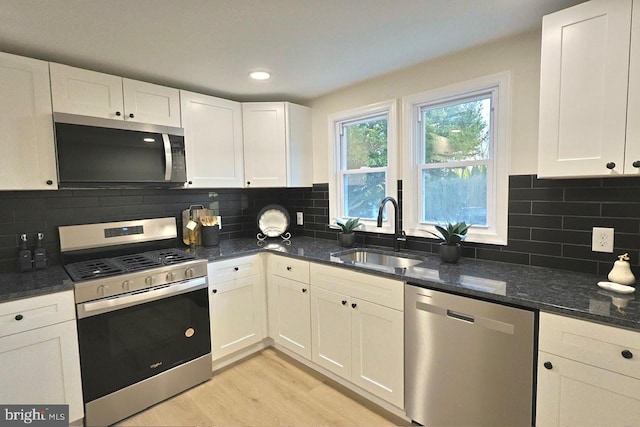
588, 374
290, 312
42, 364
237, 304
357, 333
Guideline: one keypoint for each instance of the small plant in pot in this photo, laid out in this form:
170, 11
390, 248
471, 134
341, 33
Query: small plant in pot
450, 237
346, 237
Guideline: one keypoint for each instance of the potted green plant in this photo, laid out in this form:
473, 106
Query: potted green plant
450, 237
346, 237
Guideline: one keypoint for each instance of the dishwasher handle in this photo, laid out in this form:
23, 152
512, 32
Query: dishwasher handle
460, 316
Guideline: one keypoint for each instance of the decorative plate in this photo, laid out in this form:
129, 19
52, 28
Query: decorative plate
273, 220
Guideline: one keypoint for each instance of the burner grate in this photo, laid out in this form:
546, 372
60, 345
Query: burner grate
170, 256
93, 269
135, 262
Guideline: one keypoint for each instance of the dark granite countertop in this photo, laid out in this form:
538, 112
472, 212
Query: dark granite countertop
38, 282
558, 291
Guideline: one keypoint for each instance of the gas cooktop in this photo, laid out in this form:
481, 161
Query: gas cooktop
107, 267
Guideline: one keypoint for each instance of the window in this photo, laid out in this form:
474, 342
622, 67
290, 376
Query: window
456, 164
363, 160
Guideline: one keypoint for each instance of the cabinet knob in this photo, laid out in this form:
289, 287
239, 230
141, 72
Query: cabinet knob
344, 302
636, 164
248, 182
611, 165
627, 354
354, 305
19, 317
304, 290
214, 291
288, 268
235, 269
190, 182
49, 182
118, 113
131, 115
548, 365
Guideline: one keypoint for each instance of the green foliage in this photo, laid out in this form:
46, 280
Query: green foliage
349, 225
461, 128
452, 234
367, 144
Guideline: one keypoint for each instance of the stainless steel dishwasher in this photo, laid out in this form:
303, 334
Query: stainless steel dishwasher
467, 362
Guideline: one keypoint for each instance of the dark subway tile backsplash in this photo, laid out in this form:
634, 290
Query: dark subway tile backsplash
550, 221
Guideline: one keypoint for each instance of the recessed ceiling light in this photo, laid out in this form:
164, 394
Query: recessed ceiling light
259, 75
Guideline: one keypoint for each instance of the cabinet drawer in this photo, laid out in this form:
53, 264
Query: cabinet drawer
379, 290
606, 347
290, 268
236, 268
36, 312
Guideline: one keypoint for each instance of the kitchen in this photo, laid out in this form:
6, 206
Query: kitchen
550, 221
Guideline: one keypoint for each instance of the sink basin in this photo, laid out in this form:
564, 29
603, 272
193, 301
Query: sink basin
375, 258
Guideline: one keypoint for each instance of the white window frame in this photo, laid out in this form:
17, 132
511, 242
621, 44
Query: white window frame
497, 179
389, 108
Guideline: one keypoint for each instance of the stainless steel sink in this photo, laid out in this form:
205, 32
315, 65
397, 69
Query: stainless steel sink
375, 258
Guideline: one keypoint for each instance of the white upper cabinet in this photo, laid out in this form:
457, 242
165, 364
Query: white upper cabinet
277, 145
26, 128
213, 141
89, 93
584, 81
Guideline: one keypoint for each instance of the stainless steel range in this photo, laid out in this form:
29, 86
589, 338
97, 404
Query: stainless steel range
143, 317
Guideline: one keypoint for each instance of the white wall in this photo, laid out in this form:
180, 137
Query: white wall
520, 54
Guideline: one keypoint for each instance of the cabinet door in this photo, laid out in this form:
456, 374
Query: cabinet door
632, 153
213, 141
89, 93
583, 89
378, 350
575, 394
149, 103
264, 144
331, 331
26, 127
43, 367
290, 314
237, 315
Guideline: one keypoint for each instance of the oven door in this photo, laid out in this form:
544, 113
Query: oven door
127, 339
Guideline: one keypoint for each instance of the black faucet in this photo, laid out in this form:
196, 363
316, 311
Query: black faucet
399, 235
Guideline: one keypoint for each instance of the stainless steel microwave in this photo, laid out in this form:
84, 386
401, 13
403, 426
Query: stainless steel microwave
104, 153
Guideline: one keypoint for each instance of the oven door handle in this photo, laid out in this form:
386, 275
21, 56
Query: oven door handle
94, 308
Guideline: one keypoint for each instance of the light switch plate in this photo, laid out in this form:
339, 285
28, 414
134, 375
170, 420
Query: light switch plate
299, 218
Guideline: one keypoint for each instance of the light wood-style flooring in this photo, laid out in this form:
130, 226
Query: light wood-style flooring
268, 389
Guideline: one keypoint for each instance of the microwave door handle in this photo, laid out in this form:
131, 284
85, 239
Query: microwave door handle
168, 158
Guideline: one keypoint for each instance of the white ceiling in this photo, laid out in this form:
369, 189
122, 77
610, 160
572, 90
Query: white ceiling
311, 47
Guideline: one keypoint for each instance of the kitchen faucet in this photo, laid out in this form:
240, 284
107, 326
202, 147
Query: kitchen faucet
399, 235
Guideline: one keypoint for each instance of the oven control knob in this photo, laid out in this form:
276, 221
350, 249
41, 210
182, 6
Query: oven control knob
102, 290
150, 280
170, 277
126, 285
189, 273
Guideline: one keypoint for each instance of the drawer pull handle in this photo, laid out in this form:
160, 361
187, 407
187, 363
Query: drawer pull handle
214, 291
548, 365
344, 302
304, 290
354, 305
235, 269
288, 268
627, 354
19, 317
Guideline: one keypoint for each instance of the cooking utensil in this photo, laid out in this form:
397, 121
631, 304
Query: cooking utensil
195, 212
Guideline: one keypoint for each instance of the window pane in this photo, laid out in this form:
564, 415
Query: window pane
455, 194
458, 131
362, 194
365, 144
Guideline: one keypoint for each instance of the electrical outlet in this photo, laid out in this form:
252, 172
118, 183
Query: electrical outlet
602, 240
299, 218
219, 222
